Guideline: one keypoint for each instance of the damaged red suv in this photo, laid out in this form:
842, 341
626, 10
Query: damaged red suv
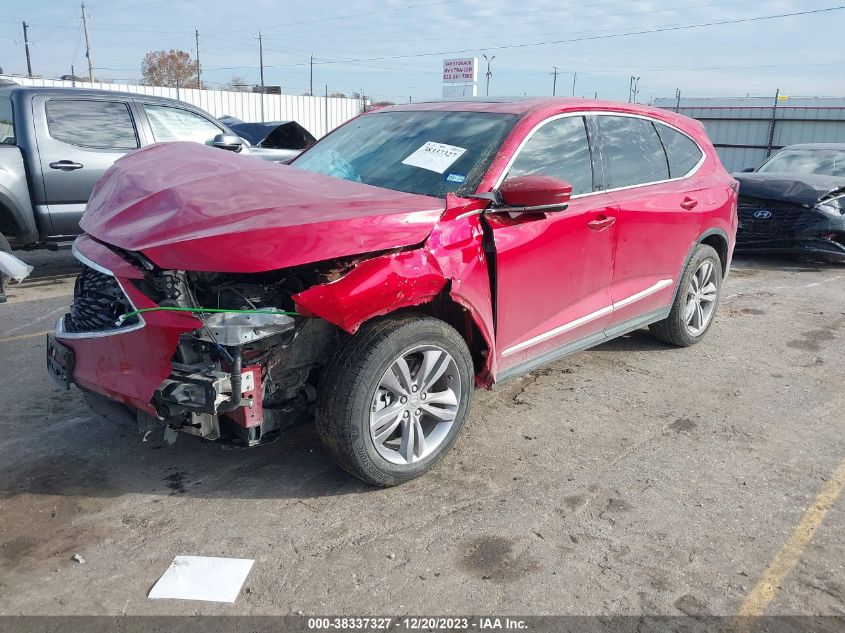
413, 253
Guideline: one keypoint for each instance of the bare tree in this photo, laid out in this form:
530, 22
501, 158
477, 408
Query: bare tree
237, 83
338, 94
171, 68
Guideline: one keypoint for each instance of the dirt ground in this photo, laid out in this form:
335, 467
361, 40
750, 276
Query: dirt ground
629, 479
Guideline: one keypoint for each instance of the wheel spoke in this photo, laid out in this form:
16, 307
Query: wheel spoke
442, 414
442, 397
689, 312
419, 444
406, 448
387, 430
699, 316
384, 416
708, 294
434, 365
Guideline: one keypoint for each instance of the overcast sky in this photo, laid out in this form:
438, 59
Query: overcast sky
394, 50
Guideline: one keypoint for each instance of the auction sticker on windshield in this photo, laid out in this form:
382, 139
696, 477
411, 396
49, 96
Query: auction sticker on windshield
437, 157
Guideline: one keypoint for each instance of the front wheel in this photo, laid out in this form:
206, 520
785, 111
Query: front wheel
395, 397
695, 304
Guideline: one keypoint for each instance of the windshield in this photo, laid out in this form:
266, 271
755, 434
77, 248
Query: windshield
827, 162
427, 152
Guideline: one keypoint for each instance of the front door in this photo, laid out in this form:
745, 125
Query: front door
78, 140
553, 270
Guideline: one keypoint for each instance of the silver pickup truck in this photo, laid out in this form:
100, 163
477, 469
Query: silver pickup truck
55, 143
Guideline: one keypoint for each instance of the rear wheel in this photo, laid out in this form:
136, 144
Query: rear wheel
395, 397
695, 304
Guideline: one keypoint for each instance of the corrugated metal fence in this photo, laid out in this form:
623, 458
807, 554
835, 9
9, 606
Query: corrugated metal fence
747, 131
319, 115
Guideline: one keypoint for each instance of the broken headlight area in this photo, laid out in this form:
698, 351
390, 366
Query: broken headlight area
252, 368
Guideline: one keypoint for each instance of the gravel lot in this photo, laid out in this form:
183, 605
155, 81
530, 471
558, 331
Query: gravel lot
630, 479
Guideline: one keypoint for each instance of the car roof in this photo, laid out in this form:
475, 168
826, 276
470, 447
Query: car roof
85, 92
839, 146
526, 105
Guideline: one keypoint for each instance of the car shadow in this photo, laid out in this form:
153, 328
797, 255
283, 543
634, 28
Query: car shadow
92, 455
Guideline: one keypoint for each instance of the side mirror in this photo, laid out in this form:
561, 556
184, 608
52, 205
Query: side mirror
535, 193
229, 142
747, 170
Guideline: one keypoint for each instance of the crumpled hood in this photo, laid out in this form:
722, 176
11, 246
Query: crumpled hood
803, 189
187, 206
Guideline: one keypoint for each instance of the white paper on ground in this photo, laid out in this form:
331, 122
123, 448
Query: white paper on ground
202, 578
15, 268
435, 157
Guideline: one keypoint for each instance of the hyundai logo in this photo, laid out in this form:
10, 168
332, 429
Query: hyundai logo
763, 214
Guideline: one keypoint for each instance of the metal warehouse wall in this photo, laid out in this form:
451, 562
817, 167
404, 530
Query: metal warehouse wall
319, 115
746, 131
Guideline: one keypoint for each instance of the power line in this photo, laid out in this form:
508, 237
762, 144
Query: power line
683, 27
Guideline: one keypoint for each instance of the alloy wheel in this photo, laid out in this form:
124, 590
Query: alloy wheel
415, 404
701, 298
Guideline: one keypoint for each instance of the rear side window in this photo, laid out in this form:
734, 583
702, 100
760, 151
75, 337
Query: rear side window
88, 123
632, 152
7, 123
683, 153
561, 149
175, 124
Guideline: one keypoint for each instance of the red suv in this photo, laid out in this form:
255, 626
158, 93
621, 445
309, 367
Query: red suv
414, 252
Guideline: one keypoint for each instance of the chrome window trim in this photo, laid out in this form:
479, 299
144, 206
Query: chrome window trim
60, 324
584, 113
587, 318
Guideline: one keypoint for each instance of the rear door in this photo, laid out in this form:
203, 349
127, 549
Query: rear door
659, 214
78, 139
171, 123
553, 270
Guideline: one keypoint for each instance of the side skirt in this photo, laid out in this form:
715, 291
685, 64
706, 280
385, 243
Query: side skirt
583, 343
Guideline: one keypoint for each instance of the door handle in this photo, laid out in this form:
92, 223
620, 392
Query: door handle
689, 203
65, 165
601, 222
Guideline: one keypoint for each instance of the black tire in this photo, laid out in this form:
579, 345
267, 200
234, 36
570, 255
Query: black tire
674, 328
349, 384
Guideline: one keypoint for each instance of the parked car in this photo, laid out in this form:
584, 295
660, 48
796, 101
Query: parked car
795, 202
55, 143
411, 254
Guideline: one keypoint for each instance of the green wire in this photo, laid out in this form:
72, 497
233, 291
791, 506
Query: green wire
202, 310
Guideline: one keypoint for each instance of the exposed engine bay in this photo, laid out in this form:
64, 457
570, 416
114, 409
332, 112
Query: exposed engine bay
252, 369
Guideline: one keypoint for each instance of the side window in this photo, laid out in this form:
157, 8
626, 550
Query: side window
175, 124
7, 121
632, 152
89, 123
560, 149
682, 151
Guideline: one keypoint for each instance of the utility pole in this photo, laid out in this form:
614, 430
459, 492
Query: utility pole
677, 99
311, 79
72, 76
489, 72
261, 62
554, 81
199, 75
26, 47
574, 77
87, 46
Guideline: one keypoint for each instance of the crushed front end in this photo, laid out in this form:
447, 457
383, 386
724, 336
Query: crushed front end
215, 355
791, 217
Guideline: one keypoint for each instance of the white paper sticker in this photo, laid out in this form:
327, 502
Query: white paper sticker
202, 578
435, 157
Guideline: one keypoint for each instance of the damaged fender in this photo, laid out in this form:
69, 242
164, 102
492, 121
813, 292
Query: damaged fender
452, 257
